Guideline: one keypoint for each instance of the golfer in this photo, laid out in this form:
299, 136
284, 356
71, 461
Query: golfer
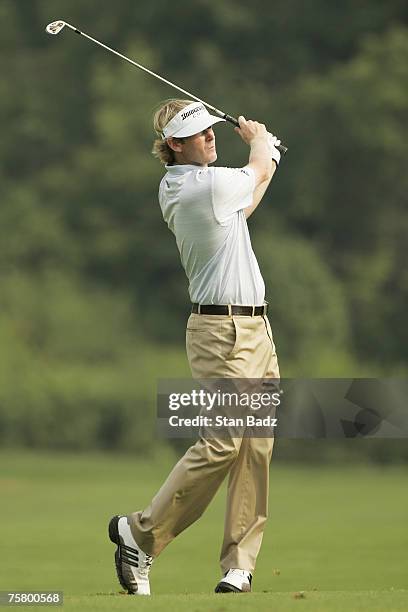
228, 336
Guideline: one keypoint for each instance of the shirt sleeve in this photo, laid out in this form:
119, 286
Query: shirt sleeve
232, 191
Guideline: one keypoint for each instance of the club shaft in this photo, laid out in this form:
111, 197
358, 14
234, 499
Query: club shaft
218, 112
143, 68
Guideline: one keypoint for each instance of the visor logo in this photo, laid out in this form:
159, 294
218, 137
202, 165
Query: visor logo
198, 109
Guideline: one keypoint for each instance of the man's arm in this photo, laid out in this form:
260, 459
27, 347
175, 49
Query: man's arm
260, 157
259, 193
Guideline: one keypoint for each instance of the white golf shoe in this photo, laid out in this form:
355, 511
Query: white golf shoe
132, 564
235, 581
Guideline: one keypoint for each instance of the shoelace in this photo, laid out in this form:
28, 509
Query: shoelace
240, 573
144, 568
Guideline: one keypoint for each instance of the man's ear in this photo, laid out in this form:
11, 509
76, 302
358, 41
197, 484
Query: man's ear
175, 144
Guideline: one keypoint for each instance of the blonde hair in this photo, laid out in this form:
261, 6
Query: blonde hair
166, 111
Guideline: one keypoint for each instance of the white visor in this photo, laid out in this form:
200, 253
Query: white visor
191, 120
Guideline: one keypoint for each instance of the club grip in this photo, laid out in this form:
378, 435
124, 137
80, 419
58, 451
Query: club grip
281, 148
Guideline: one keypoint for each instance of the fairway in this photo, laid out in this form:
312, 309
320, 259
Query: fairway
336, 538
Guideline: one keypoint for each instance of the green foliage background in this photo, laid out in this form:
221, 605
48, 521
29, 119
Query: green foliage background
93, 300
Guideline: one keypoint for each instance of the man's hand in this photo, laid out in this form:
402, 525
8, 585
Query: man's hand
251, 130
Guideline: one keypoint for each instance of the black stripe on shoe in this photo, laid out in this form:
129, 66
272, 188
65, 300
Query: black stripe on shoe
126, 558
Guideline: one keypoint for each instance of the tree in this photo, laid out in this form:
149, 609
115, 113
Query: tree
348, 185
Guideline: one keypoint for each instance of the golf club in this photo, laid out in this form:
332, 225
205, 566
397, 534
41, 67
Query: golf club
56, 26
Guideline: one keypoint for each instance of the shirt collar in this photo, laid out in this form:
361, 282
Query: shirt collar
179, 169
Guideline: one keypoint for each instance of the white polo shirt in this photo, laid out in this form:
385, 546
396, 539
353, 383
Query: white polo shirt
204, 208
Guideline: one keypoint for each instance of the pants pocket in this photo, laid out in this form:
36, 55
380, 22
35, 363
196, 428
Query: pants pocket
269, 330
230, 338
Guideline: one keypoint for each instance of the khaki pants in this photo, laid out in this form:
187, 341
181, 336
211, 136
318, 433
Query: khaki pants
218, 347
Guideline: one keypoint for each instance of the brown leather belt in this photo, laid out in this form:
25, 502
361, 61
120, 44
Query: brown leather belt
215, 309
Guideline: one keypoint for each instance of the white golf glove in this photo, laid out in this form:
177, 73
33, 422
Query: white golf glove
274, 142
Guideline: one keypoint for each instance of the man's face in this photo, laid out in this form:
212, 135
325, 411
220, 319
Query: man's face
198, 149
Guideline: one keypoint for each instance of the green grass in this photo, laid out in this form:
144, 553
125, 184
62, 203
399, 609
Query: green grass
339, 535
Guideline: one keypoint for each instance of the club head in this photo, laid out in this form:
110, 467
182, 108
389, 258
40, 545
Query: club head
55, 27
